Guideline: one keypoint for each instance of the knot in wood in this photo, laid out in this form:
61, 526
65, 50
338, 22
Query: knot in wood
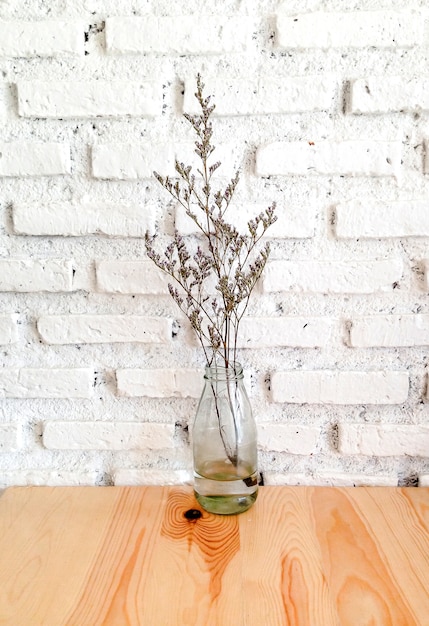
192, 514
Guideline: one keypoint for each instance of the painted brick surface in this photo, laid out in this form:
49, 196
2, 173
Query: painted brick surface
384, 439
74, 219
332, 276
247, 97
58, 329
133, 161
46, 477
133, 477
372, 219
271, 332
181, 34
10, 437
160, 383
130, 161
8, 329
21, 158
25, 275
346, 158
40, 38
330, 479
340, 387
88, 99
107, 436
293, 221
377, 95
324, 111
351, 29
292, 438
46, 383
390, 331
131, 277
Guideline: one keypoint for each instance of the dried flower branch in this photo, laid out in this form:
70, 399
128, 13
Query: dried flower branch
212, 286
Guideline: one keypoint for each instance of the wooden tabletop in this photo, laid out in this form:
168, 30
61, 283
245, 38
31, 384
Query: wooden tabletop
125, 556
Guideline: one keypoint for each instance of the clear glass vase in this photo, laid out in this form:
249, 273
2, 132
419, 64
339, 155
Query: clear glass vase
224, 444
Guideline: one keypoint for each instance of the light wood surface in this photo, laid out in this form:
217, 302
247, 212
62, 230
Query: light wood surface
301, 556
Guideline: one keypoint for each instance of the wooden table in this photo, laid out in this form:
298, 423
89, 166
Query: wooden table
86, 556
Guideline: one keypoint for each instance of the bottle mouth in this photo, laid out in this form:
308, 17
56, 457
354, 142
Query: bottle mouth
220, 372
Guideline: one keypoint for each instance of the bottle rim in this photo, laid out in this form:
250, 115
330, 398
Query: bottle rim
219, 372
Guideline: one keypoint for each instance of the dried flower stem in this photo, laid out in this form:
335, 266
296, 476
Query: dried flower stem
212, 286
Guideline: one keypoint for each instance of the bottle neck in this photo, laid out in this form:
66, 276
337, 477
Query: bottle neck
218, 373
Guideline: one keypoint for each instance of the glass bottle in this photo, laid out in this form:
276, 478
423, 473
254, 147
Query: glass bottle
225, 444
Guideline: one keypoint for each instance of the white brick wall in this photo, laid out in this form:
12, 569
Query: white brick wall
83, 218
22, 275
162, 383
103, 329
107, 436
324, 110
368, 218
351, 29
346, 158
389, 331
135, 277
293, 221
24, 158
46, 383
348, 276
384, 439
40, 39
178, 34
378, 95
8, 329
109, 99
246, 97
338, 387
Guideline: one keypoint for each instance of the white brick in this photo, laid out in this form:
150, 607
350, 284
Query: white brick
352, 29
136, 277
123, 161
40, 275
390, 331
326, 479
8, 329
136, 477
263, 96
46, 383
426, 157
425, 265
383, 439
180, 35
340, 387
160, 383
378, 94
83, 218
290, 438
21, 158
10, 437
345, 158
52, 478
107, 436
293, 221
41, 38
65, 329
272, 332
95, 98
372, 219
332, 276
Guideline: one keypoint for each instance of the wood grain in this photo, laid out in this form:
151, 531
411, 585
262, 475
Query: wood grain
302, 556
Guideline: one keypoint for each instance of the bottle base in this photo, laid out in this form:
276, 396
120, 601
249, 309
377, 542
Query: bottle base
226, 505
